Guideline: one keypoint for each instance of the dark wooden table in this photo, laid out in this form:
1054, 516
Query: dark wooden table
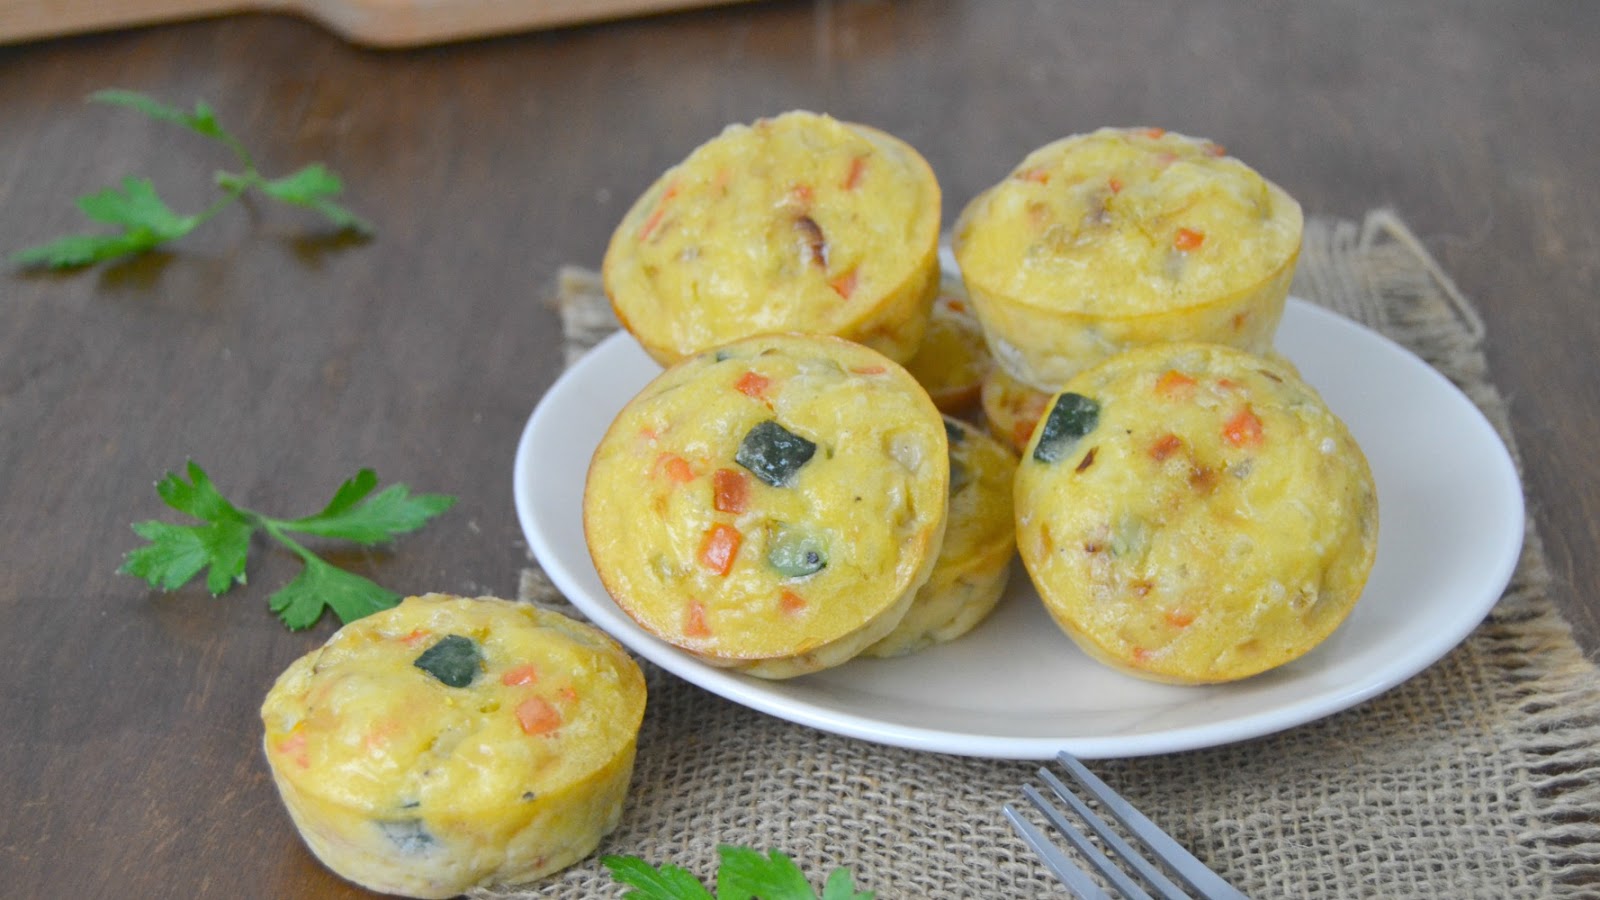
284, 361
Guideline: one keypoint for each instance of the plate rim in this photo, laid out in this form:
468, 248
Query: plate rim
769, 697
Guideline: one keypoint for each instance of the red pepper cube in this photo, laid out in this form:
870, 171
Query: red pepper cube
1188, 239
694, 620
1165, 446
730, 490
1175, 385
752, 384
719, 546
537, 716
844, 285
1243, 429
523, 674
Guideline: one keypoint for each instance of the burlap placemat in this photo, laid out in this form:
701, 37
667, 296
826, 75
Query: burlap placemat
1479, 778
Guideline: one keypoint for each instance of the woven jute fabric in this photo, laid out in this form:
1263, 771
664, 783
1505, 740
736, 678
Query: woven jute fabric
1478, 778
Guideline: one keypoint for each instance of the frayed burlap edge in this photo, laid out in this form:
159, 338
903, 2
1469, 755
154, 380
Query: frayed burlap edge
1476, 779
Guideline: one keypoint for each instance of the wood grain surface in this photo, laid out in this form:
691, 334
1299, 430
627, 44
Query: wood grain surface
283, 359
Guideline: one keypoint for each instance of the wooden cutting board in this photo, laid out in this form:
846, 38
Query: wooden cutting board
379, 23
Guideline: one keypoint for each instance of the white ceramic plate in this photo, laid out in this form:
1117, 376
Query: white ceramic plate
1451, 514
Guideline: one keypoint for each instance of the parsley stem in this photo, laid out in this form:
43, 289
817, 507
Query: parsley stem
274, 528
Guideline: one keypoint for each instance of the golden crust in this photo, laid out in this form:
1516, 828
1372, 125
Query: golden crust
408, 785
1214, 521
975, 560
793, 570
1102, 242
796, 223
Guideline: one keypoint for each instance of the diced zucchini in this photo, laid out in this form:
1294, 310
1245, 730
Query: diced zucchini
454, 660
773, 453
409, 836
1072, 417
795, 552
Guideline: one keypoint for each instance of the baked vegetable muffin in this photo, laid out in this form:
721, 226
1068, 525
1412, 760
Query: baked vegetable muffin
1123, 237
953, 359
449, 743
1192, 513
795, 223
1011, 408
772, 505
980, 539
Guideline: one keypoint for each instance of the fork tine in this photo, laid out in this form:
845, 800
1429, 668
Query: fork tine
1076, 880
1129, 888
1208, 883
1122, 848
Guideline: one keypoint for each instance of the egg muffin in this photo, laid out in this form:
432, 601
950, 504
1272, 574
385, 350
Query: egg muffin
449, 743
796, 223
772, 505
980, 540
1191, 513
953, 359
1011, 408
1102, 242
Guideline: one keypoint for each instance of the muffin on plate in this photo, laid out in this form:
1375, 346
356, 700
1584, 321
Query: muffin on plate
1102, 242
798, 223
772, 505
1192, 513
980, 540
953, 359
450, 743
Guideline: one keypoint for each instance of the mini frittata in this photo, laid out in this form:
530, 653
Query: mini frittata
795, 223
1102, 242
449, 743
980, 540
1192, 513
772, 505
953, 359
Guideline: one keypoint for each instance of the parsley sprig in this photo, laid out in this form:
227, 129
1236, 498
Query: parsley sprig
744, 874
176, 553
146, 221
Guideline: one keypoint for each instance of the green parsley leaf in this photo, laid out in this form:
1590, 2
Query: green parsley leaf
198, 496
369, 521
744, 874
314, 187
76, 250
137, 206
147, 222
320, 586
177, 553
666, 883
202, 121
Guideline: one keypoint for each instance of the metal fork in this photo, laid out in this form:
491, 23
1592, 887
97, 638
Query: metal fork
1205, 883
